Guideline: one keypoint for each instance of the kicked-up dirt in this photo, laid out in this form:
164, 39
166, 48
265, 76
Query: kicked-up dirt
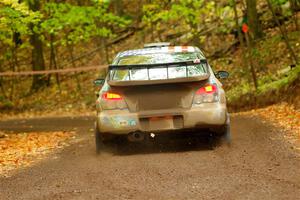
260, 164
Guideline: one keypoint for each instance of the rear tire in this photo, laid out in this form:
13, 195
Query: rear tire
224, 132
227, 131
102, 139
212, 139
98, 140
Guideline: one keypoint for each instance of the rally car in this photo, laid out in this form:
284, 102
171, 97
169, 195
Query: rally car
160, 89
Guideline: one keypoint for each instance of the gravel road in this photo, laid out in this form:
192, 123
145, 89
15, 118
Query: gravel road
260, 164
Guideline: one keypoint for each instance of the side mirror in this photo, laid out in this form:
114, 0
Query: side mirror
222, 74
99, 82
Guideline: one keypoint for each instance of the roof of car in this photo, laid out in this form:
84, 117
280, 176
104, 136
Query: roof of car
163, 49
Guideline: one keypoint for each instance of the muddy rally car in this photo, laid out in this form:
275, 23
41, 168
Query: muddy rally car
160, 89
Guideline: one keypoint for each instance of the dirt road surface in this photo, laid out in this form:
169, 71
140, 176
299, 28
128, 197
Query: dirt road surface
260, 164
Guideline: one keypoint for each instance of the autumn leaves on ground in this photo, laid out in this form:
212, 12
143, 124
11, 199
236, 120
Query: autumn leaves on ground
20, 150
282, 116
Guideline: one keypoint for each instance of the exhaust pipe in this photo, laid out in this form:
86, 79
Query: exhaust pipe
137, 136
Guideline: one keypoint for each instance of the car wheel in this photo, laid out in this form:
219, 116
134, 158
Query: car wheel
212, 141
102, 139
98, 140
227, 131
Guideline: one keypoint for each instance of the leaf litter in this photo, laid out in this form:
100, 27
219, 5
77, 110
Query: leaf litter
20, 150
283, 116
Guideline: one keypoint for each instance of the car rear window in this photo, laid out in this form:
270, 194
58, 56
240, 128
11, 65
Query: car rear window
157, 58
161, 72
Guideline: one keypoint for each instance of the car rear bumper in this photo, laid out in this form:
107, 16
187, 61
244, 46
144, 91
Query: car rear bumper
207, 115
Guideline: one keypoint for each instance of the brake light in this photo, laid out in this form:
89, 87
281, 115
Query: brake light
207, 89
111, 96
206, 94
112, 101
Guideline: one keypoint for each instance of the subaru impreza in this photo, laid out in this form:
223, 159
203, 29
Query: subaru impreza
160, 89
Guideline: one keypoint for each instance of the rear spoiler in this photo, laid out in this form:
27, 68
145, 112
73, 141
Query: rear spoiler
167, 80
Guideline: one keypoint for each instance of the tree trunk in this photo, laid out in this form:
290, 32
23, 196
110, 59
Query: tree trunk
13, 64
250, 60
253, 21
2, 88
295, 7
71, 49
237, 26
242, 45
38, 62
53, 60
118, 7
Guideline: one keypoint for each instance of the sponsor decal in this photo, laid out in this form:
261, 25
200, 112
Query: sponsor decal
119, 122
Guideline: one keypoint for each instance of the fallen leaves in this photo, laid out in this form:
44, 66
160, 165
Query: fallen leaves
283, 116
23, 149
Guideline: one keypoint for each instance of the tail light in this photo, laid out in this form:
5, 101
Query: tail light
112, 101
111, 96
206, 94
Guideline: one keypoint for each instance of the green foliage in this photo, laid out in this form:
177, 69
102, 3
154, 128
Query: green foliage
6, 104
15, 18
79, 23
239, 90
283, 6
282, 82
196, 16
67, 24
266, 84
71, 23
279, 2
